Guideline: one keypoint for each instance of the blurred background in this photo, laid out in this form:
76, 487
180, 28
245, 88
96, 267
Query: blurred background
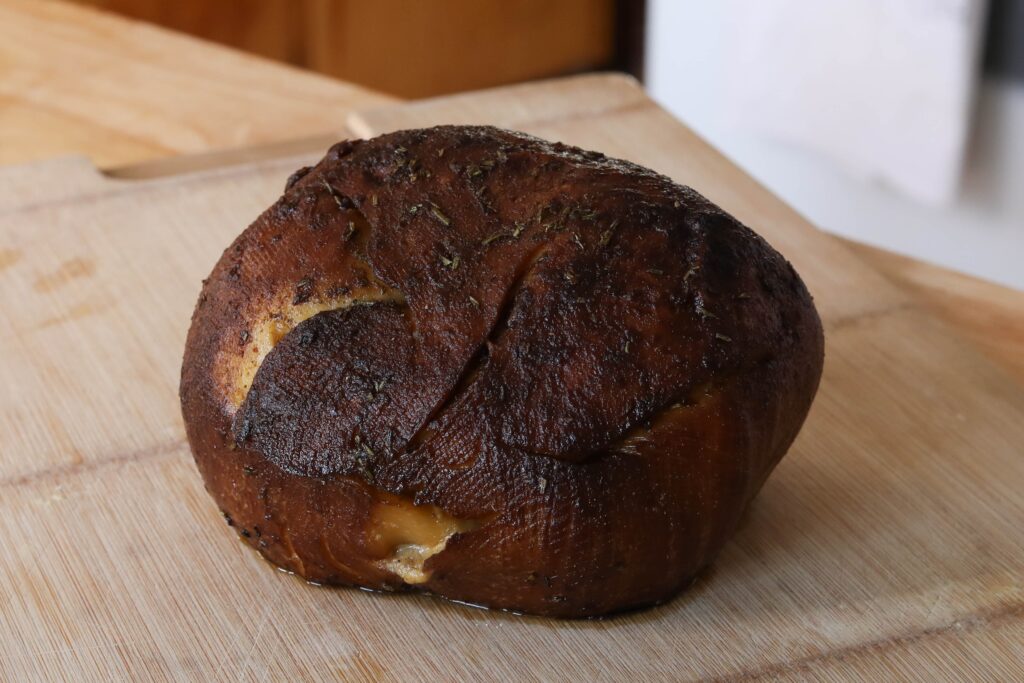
899, 123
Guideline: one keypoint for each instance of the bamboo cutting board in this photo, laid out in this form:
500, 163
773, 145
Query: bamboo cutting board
888, 544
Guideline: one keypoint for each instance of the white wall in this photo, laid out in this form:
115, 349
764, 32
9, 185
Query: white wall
981, 233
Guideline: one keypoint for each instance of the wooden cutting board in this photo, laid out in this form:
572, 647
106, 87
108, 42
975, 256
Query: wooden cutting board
889, 542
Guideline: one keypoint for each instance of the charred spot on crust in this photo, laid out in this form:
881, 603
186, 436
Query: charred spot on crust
297, 176
329, 391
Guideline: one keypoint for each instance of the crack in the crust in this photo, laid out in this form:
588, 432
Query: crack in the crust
479, 358
695, 398
476, 361
272, 331
505, 309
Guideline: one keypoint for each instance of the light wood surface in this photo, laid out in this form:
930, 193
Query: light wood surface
73, 79
887, 545
990, 315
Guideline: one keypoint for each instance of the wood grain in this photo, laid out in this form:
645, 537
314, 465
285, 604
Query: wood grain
409, 49
420, 49
269, 28
76, 80
990, 315
888, 544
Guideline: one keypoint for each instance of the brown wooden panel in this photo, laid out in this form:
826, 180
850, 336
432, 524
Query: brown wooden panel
415, 49
271, 28
410, 49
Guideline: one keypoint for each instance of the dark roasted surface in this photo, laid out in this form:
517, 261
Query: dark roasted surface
599, 366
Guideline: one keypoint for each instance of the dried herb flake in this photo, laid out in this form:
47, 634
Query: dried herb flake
331, 191
439, 215
704, 313
303, 291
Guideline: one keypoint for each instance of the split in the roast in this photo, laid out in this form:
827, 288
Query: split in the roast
506, 371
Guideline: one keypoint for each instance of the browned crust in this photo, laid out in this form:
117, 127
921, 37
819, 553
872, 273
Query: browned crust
597, 363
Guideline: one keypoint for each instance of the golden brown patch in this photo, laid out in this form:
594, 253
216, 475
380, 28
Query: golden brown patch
406, 535
8, 257
80, 310
361, 666
69, 270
